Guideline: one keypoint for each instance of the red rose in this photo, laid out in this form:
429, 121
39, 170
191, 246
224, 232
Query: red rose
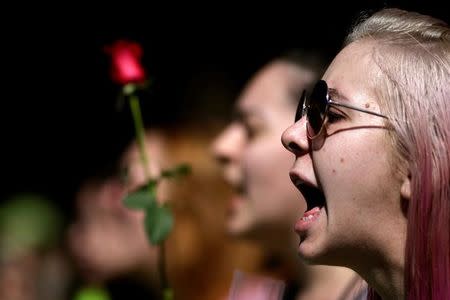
126, 65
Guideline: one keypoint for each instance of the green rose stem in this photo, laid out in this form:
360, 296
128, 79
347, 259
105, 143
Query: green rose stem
139, 127
140, 135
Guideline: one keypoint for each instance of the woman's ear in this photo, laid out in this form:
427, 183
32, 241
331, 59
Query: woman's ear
405, 189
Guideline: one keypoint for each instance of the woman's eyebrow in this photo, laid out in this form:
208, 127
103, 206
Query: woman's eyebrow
336, 95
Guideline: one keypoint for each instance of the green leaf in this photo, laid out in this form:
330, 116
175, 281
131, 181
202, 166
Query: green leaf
183, 169
158, 223
92, 293
151, 185
140, 199
168, 294
180, 170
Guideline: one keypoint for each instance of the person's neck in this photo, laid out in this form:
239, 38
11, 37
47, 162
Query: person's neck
330, 282
282, 261
383, 267
286, 265
387, 280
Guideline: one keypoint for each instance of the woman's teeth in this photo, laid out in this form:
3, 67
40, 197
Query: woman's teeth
308, 218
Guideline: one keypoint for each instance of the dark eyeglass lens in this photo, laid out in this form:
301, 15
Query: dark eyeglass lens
317, 107
298, 113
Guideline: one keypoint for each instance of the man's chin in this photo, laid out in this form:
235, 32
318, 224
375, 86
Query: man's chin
239, 228
236, 231
247, 231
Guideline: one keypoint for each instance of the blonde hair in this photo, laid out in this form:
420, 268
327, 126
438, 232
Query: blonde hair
413, 53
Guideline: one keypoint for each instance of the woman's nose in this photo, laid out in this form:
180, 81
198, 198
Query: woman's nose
295, 139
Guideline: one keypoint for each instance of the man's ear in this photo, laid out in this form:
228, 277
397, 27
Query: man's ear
405, 189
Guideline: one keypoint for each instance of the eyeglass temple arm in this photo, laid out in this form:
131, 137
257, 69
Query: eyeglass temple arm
356, 108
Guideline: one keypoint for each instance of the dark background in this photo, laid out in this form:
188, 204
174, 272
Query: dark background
59, 120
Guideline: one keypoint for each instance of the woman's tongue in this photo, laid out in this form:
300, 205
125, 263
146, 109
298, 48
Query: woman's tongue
305, 222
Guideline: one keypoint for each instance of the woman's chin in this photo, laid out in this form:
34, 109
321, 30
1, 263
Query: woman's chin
311, 252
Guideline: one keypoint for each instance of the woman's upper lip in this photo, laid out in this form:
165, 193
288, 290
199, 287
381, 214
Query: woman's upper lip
298, 180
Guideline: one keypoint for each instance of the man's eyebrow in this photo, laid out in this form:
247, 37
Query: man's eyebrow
336, 95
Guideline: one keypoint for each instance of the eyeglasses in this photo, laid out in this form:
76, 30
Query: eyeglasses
316, 108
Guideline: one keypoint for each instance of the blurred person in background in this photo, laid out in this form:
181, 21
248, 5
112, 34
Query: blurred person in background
265, 205
109, 242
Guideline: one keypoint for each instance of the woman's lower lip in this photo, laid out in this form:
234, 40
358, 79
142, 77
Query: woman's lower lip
305, 222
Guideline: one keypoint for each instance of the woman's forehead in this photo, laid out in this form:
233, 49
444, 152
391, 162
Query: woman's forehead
355, 60
352, 72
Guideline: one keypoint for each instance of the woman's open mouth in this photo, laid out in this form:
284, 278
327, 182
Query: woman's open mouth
315, 201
